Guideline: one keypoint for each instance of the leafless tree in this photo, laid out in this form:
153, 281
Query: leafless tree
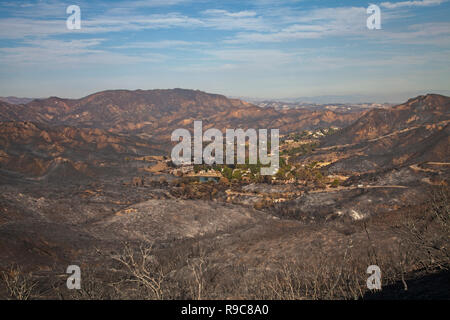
142, 268
198, 267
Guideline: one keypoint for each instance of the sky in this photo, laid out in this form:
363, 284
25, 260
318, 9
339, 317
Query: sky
241, 48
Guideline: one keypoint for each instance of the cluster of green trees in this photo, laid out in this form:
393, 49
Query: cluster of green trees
252, 171
311, 174
297, 136
300, 150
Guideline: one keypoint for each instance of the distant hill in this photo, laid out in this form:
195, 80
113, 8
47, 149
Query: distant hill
414, 132
16, 100
375, 123
159, 112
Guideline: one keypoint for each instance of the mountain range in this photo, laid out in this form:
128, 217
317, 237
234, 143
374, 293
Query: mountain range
120, 123
156, 113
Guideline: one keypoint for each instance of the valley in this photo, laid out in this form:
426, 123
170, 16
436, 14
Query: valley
90, 182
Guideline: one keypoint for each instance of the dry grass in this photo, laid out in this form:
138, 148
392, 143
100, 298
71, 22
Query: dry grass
19, 285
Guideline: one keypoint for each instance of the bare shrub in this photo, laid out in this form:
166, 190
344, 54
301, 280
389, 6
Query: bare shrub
95, 285
315, 278
203, 280
140, 266
439, 207
198, 267
19, 285
427, 233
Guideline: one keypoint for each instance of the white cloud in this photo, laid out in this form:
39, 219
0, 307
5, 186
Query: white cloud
206, 68
152, 3
161, 44
240, 14
254, 58
432, 33
312, 25
57, 53
17, 28
422, 3
241, 20
20, 27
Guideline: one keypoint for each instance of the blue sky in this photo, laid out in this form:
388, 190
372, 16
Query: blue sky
249, 48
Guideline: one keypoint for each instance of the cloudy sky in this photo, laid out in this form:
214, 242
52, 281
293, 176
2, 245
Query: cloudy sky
248, 48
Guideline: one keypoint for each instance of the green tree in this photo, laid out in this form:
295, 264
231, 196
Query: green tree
335, 183
237, 175
227, 172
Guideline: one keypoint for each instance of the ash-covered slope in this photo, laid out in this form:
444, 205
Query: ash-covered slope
35, 149
414, 132
428, 109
